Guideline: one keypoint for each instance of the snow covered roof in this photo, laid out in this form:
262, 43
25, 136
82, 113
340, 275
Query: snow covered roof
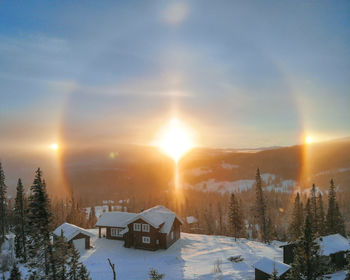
191, 220
267, 265
70, 231
333, 243
115, 219
125, 230
158, 216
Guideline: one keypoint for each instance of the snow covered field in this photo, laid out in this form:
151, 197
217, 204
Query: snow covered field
191, 257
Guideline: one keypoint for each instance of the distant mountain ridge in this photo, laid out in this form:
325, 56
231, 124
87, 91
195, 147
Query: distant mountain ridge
135, 169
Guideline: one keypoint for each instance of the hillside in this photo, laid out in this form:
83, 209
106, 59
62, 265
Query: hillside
143, 170
191, 257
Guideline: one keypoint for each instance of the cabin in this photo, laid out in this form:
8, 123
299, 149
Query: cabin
74, 234
265, 268
152, 229
333, 249
113, 223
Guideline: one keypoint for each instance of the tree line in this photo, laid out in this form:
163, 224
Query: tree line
31, 221
308, 224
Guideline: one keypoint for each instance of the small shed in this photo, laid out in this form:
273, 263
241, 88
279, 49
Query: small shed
265, 267
334, 247
74, 234
288, 252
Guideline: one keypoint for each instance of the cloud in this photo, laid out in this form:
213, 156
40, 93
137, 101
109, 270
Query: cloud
175, 13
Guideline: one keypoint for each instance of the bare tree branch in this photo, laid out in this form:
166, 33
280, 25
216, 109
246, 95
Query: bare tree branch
112, 265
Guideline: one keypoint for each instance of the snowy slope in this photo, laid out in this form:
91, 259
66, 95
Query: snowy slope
212, 185
191, 257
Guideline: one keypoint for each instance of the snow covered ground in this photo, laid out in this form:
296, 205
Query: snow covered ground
191, 257
212, 185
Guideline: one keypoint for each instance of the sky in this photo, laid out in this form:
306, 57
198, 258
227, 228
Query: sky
238, 73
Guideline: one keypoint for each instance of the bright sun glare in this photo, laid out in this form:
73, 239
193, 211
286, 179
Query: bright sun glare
54, 146
309, 139
175, 139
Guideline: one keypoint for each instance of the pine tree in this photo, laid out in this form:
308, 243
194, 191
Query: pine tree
3, 203
347, 267
39, 247
260, 208
296, 226
320, 215
19, 228
73, 215
341, 222
60, 256
313, 209
92, 217
208, 218
307, 264
73, 263
270, 229
236, 218
15, 273
76, 216
83, 273
334, 219
155, 275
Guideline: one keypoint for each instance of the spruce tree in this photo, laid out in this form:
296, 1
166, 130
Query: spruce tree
235, 215
270, 229
320, 216
60, 256
313, 209
92, 217
3, 203
347, 266
307, 264
260, 209
334, 219
296, 226
15, 273
73, 263
19, 228
341, 222
39, 247
83, 273
155, 275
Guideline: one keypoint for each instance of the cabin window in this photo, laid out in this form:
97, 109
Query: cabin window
172, 235
157, 242
116, 232
146, 240
145, 227
137, 227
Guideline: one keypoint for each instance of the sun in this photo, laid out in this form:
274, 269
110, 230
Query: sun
175, 139
54, 146
309, 139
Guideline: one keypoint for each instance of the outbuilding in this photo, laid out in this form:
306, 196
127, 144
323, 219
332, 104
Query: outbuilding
333, 250
265, 268
73, 234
